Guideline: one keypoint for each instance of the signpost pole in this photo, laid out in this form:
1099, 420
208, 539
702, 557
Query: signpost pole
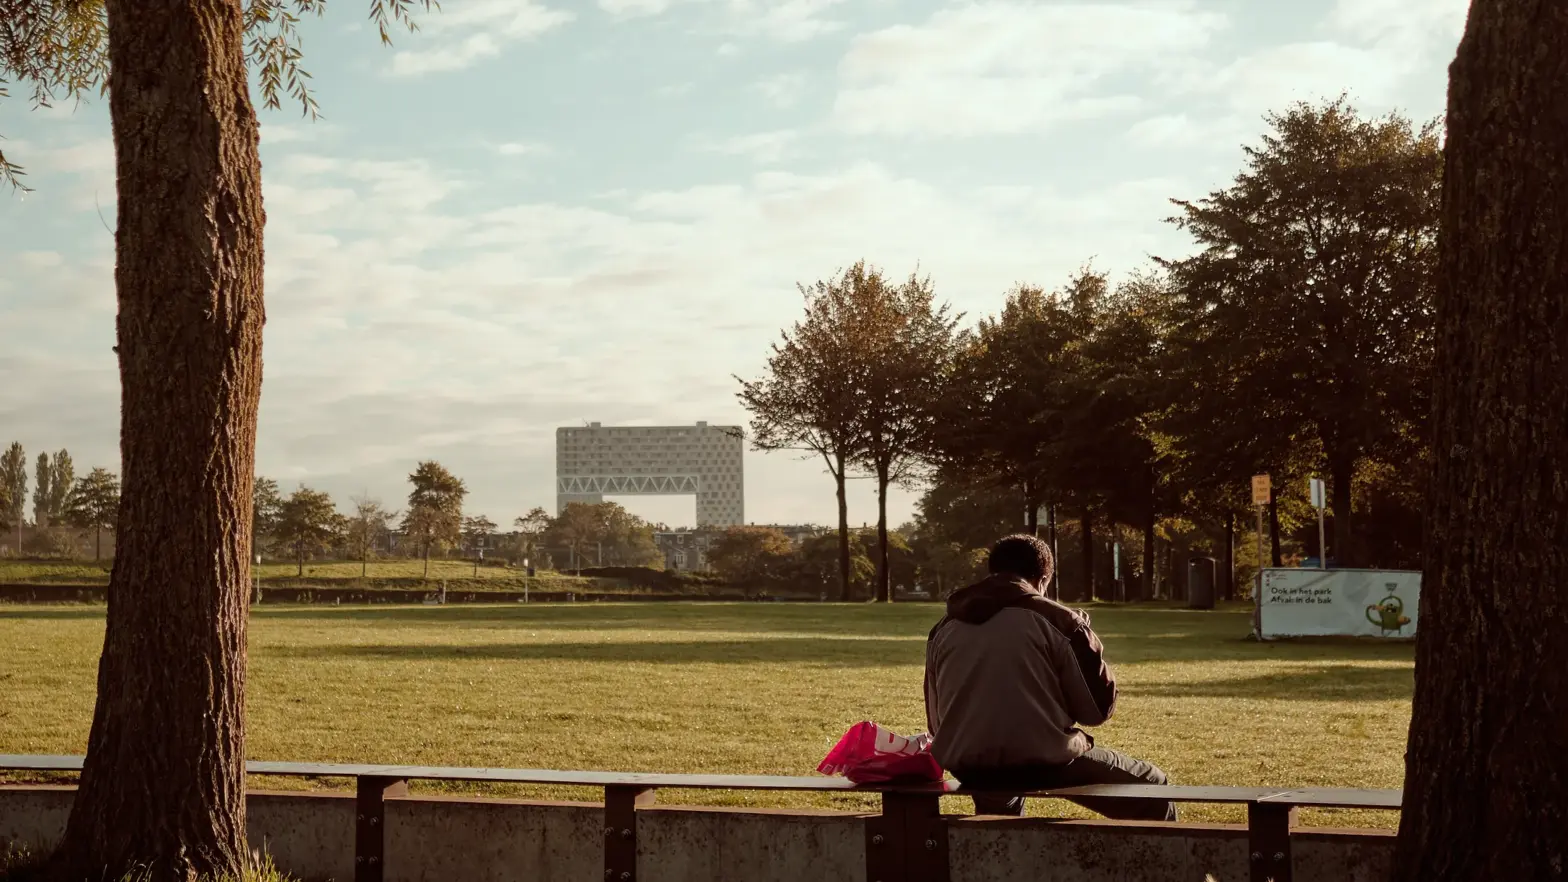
1320, 502
1261, 490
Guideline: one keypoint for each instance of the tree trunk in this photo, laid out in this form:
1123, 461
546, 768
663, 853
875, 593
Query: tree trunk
1086, 523
1485, 767
1055, 590
843, 530
1146, 590
427, 559
1031, 511
1275, 558
163, 784
1230, 557
884, 576
97, 544
364, 563
1342, 469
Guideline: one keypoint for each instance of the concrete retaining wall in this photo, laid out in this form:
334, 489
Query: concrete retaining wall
311, 836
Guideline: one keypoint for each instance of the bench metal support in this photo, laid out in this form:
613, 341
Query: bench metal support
1268, 841
908, 841
620, 830
370, 825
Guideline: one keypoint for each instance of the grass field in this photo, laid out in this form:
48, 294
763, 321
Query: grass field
758, 688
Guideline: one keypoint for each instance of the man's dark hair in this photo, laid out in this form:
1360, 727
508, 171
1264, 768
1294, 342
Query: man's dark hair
1022, 555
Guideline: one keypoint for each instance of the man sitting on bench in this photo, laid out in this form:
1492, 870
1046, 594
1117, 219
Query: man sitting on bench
1010, 676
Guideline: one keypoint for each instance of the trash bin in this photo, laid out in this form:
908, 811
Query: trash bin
1200, 583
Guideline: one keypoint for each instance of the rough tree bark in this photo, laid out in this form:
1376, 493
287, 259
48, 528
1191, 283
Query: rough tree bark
1486, 781
163, 785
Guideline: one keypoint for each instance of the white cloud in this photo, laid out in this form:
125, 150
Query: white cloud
635, 8
768, 148
522, 148
783, 90
1273, 78
85, 161
291, 133
1005, 67
787, 21
1407, 21
469, 31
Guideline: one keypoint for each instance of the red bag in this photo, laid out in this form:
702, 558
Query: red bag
870, 754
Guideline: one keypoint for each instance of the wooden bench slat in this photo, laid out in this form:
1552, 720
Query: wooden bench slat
1318, 797
1340, 797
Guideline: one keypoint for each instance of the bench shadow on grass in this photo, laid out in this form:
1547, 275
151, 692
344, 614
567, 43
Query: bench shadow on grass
913, 619
1329, 682
849, 619
71, 613
845, 652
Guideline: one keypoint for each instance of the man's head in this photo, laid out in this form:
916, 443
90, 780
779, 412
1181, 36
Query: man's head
1023, 556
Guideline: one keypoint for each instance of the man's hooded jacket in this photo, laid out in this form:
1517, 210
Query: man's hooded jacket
1010, 676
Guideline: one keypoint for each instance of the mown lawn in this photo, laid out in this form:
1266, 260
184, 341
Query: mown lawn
754, 688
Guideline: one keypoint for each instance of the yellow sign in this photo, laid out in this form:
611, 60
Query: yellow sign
1260, 489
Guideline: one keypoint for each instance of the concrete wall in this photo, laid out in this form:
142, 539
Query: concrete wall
489, 840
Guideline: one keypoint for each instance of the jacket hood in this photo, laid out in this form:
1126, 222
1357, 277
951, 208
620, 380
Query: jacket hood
976, 604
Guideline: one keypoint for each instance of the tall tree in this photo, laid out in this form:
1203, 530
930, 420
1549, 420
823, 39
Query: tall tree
578, 526
308, 523
1485, 767
62, 479
1310, 302
903, 347
1000, 419
807, 400
169, 798
93, 505
42, 495
477, 531
751, 556
613, 535
266, 509
13, 478
532, 527
364, 530
434, 517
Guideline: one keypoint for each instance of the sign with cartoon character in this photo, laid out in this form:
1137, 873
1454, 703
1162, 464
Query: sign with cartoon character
1339, 603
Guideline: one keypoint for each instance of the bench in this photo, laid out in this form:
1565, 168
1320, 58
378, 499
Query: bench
906, 842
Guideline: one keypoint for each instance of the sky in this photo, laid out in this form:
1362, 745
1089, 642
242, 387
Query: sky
539, 213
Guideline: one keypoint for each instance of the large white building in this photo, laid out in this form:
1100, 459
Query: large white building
595, 461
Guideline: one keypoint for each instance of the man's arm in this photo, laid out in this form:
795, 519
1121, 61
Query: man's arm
930, 682
1087, 681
